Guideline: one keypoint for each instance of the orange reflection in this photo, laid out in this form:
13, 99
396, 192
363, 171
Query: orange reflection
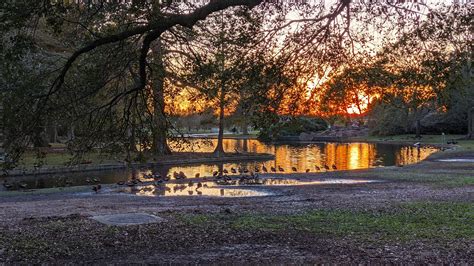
213, 189
209, 189
344, 156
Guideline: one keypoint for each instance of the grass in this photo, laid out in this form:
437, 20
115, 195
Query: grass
45, 191
194, 220
77, 238
406, 222
455, 179
438, 176
30, 159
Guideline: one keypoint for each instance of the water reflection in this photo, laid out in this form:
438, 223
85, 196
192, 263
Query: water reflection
293, 182
303, 157
227, 188
208, 189
310, 157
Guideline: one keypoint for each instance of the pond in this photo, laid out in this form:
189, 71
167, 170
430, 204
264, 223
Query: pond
289, 158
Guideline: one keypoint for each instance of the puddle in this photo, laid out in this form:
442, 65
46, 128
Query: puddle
207, 189
226, 188
460, 160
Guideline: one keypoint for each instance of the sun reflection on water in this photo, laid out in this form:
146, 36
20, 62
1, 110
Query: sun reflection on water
310, 157
302, 157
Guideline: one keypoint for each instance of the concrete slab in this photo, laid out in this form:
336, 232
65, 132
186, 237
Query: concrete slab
124, 219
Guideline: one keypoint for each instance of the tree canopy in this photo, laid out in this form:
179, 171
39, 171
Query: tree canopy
110, 71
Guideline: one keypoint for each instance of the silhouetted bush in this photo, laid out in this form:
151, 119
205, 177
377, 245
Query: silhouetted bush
292, 126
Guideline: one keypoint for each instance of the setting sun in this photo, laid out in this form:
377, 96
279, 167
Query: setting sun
360, 105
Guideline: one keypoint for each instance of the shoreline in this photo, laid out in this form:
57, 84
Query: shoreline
407, 143
196, 158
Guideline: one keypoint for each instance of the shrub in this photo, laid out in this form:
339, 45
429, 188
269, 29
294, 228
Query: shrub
292, 127
387, 120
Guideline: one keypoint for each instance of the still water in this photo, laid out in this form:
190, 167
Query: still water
302, 157
345, 156
231, 188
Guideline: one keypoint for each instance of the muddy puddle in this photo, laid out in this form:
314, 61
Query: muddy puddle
210, 190
243, 187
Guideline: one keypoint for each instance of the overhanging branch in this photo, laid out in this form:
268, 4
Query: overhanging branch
154, 30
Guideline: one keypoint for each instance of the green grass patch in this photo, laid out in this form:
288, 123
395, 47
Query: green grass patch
438, 179
195, 220
30, 159
413, 221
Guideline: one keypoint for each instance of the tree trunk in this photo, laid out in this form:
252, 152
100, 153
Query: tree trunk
160, 145
71, 135
2, 126
220, 169
245, 145
160, 125
53, 132
219, 151
245, 125
132, 139
40, 138
417, 128
470, 128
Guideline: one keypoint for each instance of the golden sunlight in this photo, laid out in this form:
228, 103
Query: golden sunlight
360, 103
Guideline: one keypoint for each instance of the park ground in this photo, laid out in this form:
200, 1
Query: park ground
421, 213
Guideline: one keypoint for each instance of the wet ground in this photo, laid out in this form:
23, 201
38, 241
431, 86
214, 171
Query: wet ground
57, 227
229, 186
